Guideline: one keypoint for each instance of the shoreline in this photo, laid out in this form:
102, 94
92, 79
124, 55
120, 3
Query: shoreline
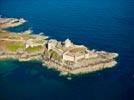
64, 71
65, 57
87, 69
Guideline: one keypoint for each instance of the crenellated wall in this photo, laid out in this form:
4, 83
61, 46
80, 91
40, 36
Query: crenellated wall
68, 58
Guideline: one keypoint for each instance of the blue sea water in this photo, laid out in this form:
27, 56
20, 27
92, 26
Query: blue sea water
99, 24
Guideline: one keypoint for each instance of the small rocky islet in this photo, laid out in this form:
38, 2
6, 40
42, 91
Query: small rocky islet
66, 57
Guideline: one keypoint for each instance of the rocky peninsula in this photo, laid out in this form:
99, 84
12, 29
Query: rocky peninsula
66, 57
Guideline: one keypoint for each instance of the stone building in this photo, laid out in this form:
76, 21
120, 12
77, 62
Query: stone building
68, 43
78, 55
51, 44
33, 43
69, 51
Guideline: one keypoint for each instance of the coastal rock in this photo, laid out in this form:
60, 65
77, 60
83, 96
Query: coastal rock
66, 57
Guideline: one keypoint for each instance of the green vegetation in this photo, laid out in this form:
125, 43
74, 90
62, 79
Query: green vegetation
14, 46
34, 49
54, 55
80, 50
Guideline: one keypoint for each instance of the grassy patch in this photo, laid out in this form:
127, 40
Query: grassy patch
34, 49
54, 55
14, 46
80, 50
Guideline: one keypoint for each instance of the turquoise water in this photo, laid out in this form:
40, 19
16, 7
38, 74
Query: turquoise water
103, 25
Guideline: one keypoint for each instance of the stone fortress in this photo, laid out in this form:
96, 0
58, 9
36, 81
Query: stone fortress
66, 57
